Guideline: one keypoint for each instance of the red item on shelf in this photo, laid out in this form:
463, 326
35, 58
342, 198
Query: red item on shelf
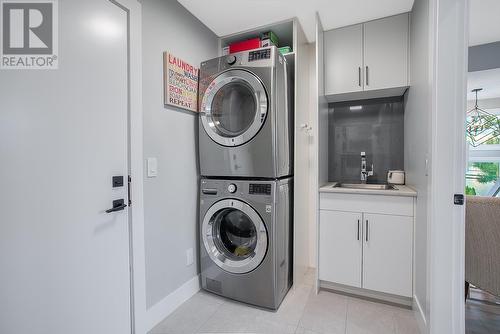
249, 44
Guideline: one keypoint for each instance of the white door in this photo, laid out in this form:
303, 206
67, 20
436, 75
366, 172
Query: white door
340, 247
386, 52
387, 253
343, 57
63, 135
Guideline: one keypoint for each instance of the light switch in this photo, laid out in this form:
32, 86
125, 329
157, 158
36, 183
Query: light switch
427, 167
152, 166
189, 257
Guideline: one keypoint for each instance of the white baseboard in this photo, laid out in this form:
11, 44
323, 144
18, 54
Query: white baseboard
419, 315
167, 305
367, 294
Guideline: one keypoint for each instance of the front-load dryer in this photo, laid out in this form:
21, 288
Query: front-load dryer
245, 236
246, 123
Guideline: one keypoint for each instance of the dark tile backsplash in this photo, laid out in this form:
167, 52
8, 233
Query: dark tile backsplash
372, 126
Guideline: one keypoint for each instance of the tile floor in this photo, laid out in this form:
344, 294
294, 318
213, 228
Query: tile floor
482, 313
302, 312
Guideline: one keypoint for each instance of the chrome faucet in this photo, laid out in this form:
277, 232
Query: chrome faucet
365, 173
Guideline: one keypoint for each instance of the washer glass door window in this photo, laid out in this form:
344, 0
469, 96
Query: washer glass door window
234, 236
234, 107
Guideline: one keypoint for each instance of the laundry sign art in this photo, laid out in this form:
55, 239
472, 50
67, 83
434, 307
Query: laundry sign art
180, 83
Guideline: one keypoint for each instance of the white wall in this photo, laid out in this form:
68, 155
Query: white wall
417, 141
313, 187
170, 200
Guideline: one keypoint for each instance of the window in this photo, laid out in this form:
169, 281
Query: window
483, 178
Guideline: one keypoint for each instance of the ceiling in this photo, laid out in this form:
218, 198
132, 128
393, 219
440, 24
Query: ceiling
484, 24
488, 80
225, 17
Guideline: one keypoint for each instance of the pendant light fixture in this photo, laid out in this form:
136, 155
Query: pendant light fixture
481, 125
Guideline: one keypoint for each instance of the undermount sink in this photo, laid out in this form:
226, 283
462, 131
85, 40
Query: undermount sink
364, 186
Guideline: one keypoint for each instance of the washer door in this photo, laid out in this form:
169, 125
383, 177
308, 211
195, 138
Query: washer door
234, 236
234, 107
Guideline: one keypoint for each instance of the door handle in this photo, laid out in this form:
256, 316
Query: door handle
359, 76
118, 205
367, 230
358, 229
366, 73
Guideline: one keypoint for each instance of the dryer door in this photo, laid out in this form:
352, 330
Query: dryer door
234, 107
234, 236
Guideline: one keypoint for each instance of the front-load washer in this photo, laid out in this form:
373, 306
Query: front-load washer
246, 123
245, 236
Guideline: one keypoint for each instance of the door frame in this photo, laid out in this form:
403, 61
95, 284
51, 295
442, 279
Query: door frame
138, 309
446, 243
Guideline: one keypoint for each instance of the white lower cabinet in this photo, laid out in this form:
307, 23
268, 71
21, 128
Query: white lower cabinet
340, 247
387, 253
372, 251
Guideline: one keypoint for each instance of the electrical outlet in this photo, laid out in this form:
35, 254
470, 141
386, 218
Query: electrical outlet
189, 257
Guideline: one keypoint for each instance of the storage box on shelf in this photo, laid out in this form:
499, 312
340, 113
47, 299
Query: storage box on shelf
279, 34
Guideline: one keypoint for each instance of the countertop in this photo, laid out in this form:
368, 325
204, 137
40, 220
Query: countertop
401, 190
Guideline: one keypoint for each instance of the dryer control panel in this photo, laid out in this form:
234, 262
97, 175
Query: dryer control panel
259, 54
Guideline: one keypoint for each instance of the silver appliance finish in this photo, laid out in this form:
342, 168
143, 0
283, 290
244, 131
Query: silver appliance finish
246, 125
245, 233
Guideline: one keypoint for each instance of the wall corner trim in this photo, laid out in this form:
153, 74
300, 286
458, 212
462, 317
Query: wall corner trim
419, 315
171, 302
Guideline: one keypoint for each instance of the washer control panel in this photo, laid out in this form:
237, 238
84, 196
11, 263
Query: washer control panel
231, 188
259, 189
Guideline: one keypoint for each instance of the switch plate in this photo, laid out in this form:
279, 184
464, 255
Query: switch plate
189, 257
427, 165
152, 167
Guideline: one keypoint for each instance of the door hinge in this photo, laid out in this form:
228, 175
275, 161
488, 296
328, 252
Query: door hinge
458, 199
129, 190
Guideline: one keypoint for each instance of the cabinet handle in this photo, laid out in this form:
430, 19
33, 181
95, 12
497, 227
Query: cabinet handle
358, 229
359, 76
366, 230
367, 76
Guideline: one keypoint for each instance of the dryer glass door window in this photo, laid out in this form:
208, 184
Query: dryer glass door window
234, 236
234, 107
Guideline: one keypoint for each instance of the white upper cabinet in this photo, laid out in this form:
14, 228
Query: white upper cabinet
343, 56
367, 60
386, 52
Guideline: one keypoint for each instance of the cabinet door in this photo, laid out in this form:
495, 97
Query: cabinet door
340, 245
343, 57
387, 253
386, 52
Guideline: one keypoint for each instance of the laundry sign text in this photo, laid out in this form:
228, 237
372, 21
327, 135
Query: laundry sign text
29, 34
180, 83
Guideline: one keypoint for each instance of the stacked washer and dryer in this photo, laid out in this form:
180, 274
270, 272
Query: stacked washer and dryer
246, 163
